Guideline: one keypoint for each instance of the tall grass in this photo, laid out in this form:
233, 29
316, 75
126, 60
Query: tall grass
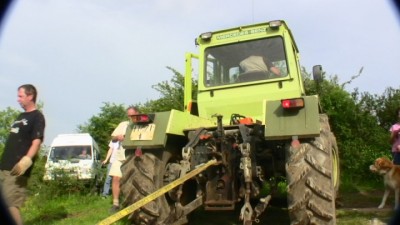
66, 210
65, 201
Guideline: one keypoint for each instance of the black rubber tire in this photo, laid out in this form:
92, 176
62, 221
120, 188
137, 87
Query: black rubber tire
141, 177
309, 173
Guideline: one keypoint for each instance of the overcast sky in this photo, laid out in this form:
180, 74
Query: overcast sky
82, 53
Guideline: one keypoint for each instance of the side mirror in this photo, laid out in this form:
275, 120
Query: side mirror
317, 73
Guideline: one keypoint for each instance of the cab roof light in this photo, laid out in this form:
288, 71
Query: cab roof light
206, 36
292, 103
142, 118
275, 24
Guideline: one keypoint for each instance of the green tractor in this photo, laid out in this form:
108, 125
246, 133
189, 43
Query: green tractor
249, 113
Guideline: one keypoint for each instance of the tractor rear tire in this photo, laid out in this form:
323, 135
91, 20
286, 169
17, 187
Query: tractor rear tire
309, 172
142, 176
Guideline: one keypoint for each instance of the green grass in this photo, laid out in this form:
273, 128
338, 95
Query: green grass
359, 199
359, 209
46, 206
355, 183
66, 210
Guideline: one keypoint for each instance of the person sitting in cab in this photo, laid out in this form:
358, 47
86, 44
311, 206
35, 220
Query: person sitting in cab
84, 154
257, 67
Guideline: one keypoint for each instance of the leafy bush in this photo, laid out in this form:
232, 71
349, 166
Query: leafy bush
62, 186
359, 122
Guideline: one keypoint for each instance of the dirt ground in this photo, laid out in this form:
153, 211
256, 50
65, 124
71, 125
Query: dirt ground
276, 212
364, 204
356, 208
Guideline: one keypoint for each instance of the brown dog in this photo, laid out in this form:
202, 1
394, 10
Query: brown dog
391, 177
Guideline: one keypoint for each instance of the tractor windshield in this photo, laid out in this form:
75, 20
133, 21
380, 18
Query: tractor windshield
249, 61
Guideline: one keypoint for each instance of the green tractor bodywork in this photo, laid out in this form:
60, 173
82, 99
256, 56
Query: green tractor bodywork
219, 93
165, 124
259, 125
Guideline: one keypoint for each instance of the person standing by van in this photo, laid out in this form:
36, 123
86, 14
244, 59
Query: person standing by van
111, 155
21, 148
118, 136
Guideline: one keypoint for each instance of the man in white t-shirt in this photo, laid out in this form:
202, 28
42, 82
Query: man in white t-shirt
256, 63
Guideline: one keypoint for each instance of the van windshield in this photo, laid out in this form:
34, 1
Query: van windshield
70, 152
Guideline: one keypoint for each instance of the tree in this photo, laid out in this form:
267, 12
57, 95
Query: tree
355, 123
101, 126
386, 105
358, 120
172, 94
7, 117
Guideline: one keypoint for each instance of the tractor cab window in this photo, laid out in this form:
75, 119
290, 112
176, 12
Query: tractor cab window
249, 61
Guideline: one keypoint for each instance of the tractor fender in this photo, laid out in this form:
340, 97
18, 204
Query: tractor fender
283, 123
165, 125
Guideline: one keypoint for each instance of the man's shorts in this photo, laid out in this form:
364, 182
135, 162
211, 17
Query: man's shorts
116, 169
13, 189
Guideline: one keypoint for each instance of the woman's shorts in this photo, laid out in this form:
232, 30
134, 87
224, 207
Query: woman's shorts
116, 169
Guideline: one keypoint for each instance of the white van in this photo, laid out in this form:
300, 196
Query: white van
75, 155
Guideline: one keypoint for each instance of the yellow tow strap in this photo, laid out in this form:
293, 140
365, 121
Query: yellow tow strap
128, 210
